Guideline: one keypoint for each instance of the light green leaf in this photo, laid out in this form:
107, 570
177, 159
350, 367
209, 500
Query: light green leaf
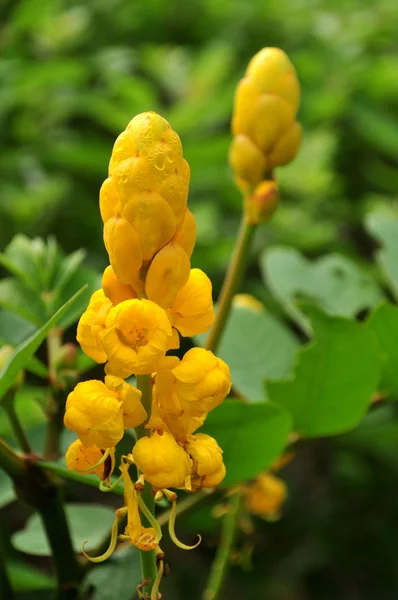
68, 268
384, 227
118, 578
384, 323
27, 406
334, 380
83, 277
23, 258
252, 436
26, 350
14, 329
7, 492
15, 297
332, 283
256, 347
36, 367
89, 522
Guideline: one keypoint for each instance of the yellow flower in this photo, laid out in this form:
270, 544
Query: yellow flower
143, 538
114, 289
95, 413
167, 274
265, 496
137, 336
213, 479
264, 120
133, 411
192, 311
91, 326
185, 235
162, 461
123, 245
200, 382
205, 453
249, 302
80, 458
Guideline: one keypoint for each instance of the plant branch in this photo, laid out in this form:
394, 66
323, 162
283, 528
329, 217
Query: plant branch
231, 282
221, 562
19, 433
148, 559
6, 590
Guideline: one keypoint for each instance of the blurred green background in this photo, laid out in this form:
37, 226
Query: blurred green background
72, 74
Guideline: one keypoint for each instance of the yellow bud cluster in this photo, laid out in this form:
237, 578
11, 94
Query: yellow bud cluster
149, 297
266, 133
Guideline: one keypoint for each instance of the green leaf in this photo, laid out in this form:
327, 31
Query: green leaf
68, 268
256, 347
7, 491
384, 227
89, 522
27, 406
36, 367
86, 277
20, 300
23, 258
334, 380
384, 323
117, 578
26, 350
332, 283
25, 578
14, 329
252, 436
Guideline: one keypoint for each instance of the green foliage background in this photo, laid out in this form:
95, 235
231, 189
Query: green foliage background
72, 76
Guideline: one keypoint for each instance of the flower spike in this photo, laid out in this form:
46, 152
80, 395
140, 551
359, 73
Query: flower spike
112, 545
172, 529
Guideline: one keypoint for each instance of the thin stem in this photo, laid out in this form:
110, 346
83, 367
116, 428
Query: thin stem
231, 282
84, 479
6, 590
221, 562
19, 433
54, 342
58, 397
184, 505
148, 559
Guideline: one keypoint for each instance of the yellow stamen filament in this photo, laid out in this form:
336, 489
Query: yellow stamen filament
155, 589
112, 545
97, 464
151, 519
172, 530
108, 488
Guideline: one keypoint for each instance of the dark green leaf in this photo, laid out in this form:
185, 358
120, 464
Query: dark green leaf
118, 578
14, 329
334, 380
252, 436
384, 322
83, 277
20, 300
25, 578
26, 350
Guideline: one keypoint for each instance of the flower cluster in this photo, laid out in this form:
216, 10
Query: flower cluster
149, 297
266, 133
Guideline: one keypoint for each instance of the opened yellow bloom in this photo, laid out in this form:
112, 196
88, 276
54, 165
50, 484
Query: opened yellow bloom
80, 458
91, 326
133, 411
265, 496
143, 538
205, 453
162, 460
137, 336
192, 311
114, 289
95, 413
199, 383
167, 274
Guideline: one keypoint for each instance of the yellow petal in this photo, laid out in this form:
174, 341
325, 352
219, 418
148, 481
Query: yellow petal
192, 311
124, 249
114, 289
167, 274
185, 235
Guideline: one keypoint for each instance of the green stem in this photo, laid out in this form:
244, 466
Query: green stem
19, 433
72, 475
231, 282
148, 559
55, 424
6, 590
221, 562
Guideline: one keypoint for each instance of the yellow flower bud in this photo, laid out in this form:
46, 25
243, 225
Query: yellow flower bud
174, 189
152, 218
205, 453
261, 205
95, 413
114, 289
270, 117
248, 301
247, 161
214, 479
287, 147
80, 458
167, 274
110, 203
123, 149
133, 411
265, 496
192, 311
91, 326
146, 129
271, 71
185, 235
137, 336
125, 254
162, 461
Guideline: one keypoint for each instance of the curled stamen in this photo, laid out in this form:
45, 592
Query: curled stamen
156, 584
97, 464
172, 529
112, 545
149, 516
108, 488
